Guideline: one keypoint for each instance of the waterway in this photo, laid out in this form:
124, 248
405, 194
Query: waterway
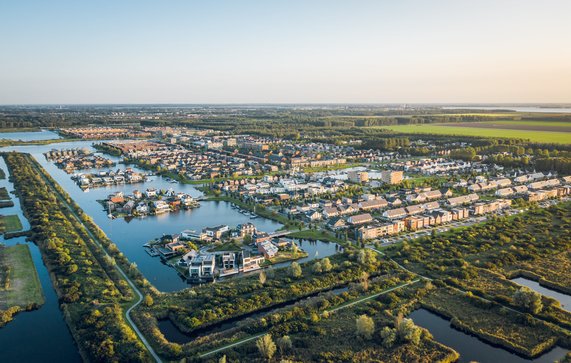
130, 236
33, 335
472, 348
564, 299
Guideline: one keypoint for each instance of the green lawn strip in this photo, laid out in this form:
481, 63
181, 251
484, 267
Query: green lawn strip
25, 289
445, 129
10, 223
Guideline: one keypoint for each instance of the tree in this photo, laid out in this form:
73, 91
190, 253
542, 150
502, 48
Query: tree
326, 264
266, 346
317, 268
263, 277
295, 270
365, 281
149, 300
407, 331
528, 299
388, 336
284, 344
222, 359
365, 326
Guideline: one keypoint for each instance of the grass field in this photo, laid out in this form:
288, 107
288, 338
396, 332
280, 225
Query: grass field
24, 286
445, 129
10, 224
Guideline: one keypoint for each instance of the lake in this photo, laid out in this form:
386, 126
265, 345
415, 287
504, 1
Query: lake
470, 347
29, 135
564, 299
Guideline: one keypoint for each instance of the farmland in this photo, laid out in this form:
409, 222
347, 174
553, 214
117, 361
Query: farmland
530, 130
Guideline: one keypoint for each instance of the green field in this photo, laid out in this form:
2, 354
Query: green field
23, 287
442, 129
10, 224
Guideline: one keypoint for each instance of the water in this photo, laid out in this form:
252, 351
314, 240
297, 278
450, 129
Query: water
470, 347
30, 135
314, 249
512, 108
564, 299
32, 335
130, 236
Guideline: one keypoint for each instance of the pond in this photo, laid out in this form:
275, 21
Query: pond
564, 299
472, 348
29, 135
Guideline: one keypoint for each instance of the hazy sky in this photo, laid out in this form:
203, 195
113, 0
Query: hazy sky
270, 51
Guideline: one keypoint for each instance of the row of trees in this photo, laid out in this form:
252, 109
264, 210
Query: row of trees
89, 287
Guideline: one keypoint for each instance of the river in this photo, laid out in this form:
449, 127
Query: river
472, 348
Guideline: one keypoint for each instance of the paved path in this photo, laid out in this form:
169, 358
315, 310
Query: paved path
92, 236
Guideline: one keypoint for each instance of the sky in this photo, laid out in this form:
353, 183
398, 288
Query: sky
288, 51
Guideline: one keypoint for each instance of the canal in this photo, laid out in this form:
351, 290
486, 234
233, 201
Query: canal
472, 348
32, 335
564, 299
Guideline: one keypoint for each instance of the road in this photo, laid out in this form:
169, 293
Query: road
131, 284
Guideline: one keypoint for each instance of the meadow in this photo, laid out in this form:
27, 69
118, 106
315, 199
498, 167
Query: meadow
513, 132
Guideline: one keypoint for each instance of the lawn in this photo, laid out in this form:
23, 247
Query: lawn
2, 174
10, 223
23, 287
445, 129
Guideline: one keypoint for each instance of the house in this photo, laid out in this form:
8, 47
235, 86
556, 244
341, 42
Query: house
504, 192
246, 229
160, 206
395, 213
252, 263
151, 193
313, 215
373, 204
360, 219
329, 212
216, 232
142, 208
268, 249
260, 237
202, 266
378, 230
336, 223
463, 199
228, 260
175, 246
